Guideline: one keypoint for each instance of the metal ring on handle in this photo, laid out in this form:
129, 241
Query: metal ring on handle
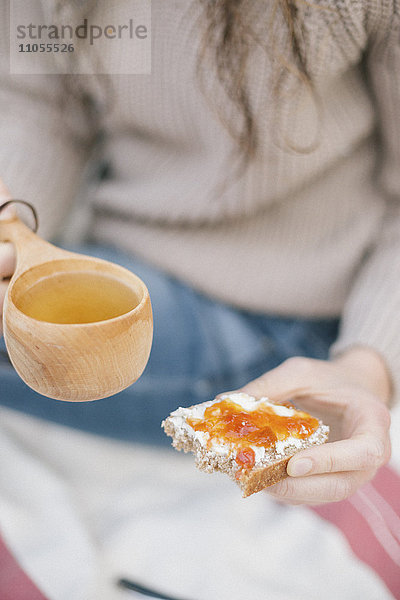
29, 205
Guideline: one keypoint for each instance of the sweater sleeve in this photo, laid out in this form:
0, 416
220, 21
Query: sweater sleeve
44, 138
371, 316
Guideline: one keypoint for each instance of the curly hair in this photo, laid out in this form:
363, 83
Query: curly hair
231, 32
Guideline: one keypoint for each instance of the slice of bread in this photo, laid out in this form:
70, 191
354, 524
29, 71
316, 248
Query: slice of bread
218, 453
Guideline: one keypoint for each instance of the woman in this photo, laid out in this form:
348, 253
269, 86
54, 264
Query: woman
240, 184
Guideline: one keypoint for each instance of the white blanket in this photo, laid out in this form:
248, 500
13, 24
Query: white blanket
79, 511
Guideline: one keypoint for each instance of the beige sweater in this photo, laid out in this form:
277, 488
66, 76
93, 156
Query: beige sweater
310, 234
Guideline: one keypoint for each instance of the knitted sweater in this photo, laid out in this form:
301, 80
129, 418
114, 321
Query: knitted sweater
311, 233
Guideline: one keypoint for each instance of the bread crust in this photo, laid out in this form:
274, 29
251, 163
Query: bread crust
256, 480
252, 480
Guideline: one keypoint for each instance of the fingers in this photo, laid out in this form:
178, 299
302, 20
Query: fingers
366, 423
295, 377
319, 489
360, 454
7, 254
334, 471
7, 260
8, 212
365, 415
4, 192
358, 419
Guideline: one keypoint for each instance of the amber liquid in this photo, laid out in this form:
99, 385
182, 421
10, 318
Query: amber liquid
77, 297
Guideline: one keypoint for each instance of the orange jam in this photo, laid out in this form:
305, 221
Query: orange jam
228, 422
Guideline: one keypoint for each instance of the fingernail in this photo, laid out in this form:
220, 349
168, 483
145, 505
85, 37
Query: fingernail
300, 467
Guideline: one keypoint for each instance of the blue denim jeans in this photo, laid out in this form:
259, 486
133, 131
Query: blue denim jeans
201, 348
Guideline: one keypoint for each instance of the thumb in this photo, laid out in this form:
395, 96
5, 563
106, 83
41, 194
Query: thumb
7, 253
293, 378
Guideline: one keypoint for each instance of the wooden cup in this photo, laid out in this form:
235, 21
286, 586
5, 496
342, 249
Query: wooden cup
76, 361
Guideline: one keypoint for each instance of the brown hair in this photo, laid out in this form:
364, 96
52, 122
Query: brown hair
230, 33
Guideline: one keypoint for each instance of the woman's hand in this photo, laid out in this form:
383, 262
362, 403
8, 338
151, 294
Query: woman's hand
7, 254
350, 394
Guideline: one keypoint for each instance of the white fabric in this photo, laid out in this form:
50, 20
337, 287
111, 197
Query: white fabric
79, 511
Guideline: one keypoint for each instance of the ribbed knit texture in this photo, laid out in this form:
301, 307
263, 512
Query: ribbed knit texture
299, 233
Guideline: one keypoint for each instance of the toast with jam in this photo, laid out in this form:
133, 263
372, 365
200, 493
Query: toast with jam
250, 439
